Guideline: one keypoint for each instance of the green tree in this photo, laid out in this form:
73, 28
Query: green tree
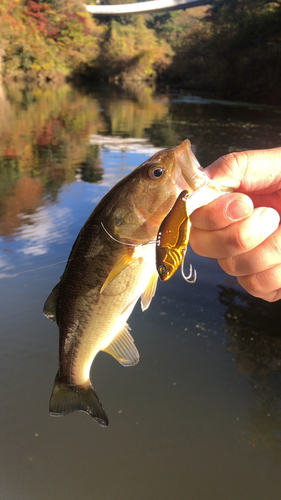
228, 55
132, 51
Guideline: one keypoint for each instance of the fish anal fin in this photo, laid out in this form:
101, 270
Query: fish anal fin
67, 399
149, 292
123, 349
123, 262
50, 305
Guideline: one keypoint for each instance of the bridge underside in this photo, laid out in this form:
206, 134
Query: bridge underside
145, 7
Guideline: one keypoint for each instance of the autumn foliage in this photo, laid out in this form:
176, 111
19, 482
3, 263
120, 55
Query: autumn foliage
229, 49
45, 39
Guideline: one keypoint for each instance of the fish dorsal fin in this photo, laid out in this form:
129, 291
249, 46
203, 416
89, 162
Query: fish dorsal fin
149, 292
50, 306
123, 262
123, 349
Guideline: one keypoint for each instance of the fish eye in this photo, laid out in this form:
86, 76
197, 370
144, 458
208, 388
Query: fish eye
156, 171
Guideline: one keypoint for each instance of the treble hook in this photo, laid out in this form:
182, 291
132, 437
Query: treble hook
187, 278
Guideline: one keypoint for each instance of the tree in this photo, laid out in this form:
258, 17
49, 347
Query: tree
46, 38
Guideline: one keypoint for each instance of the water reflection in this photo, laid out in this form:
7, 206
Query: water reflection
25, 196
180, 406
45, 142
45, 137
254, 340
91, 168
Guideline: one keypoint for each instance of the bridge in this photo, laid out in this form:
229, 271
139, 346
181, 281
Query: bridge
145, 7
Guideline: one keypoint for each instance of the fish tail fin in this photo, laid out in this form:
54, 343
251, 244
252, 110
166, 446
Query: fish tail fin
69, 398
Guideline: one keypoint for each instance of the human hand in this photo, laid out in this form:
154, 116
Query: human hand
241, 230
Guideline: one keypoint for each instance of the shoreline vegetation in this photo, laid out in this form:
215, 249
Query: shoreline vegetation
230, 49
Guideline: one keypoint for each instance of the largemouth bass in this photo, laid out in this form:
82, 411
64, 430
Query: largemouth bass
112, 264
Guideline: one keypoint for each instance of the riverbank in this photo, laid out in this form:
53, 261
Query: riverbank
226, 51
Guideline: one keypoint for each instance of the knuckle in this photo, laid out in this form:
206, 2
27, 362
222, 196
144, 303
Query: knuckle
276, 295
275, 246
265, 284
236, 163
238, 241
252, 284
197, 241
209, 221
203, 218
229, 265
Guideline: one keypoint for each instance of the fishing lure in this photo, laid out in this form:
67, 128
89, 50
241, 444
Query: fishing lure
172, 240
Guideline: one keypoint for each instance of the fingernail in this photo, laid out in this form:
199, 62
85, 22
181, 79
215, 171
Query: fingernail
239, 209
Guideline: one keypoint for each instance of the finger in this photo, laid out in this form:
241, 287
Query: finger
247, 171
237, 238
265, 285
222, 212
260, 258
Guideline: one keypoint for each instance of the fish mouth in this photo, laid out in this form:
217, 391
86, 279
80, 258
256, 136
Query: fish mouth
193, 176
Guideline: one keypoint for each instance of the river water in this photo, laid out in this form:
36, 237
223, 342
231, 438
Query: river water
199, 417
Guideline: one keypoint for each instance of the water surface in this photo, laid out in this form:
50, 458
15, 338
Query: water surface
199, 417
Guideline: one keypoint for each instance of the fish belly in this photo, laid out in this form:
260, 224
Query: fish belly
110, 310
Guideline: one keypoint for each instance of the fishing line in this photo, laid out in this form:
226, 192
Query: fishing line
12, 275
149, 242
35, 269
186, 278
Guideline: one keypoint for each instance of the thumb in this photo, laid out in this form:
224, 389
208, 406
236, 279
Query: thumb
222, 212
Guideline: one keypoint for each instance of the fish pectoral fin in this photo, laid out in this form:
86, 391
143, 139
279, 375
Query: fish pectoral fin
50, 306
125, 261
67, 399
149, 292
123, 349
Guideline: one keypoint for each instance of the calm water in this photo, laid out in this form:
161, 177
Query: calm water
199, 417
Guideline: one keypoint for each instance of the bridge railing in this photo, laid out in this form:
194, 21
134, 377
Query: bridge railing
143, 7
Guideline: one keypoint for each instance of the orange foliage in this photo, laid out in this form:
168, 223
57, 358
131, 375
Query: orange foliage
26, 198
39, 40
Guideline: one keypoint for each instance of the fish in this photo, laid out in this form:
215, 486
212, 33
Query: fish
111, 266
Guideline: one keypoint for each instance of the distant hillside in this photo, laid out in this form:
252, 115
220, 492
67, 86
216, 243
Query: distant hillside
230, 49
